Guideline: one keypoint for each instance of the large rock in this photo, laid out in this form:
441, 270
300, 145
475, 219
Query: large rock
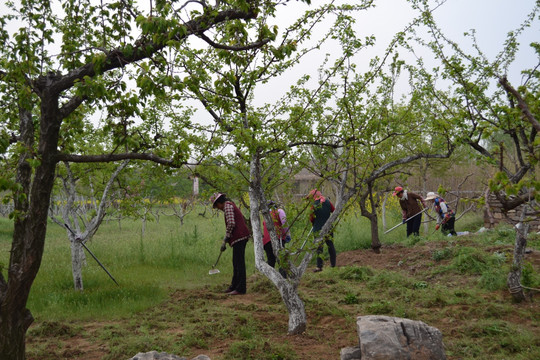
154, 355
385, 337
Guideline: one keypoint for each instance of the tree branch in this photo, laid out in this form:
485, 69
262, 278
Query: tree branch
522, 104
215, 45
142, 49
118, 157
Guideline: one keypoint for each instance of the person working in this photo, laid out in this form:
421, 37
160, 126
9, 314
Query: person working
280, 219
446, 217
410, 207
236, 235
320, 212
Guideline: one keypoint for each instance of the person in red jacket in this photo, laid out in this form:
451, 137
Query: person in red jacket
236, 235
280, 220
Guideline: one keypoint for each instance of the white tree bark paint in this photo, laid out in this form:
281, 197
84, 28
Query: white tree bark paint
288, 288
80, 229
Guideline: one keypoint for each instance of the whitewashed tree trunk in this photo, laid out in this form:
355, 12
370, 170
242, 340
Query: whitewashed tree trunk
77, 262
288, 288
424, 188
72, 217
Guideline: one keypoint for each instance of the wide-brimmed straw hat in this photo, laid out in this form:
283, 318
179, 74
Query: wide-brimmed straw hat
430, 196
214, 198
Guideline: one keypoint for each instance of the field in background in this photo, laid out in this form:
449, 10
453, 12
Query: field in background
168, 257
168, 302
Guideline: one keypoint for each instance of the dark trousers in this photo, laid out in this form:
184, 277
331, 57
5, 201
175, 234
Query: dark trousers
271, 258
331, 252
448, 227
413, 225
239, 267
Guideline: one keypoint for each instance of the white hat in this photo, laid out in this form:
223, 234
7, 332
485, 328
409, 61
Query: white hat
430, 196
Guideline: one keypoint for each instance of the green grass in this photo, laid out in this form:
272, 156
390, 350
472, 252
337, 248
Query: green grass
166, 300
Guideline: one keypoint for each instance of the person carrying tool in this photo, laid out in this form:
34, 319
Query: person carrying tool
446, 217
320, 212
236, 235
280, 219
411, 209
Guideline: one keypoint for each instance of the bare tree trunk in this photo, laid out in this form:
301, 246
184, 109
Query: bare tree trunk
371, 216
514, 277
375, 242
30, 225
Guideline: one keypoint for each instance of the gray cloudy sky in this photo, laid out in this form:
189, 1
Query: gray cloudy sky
492, 20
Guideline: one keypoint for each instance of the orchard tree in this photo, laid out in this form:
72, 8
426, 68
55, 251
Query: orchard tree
369, 135
82, 215
261, 146
495, 117
58, 58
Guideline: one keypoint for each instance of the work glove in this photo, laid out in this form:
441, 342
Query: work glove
437, 227
403, 221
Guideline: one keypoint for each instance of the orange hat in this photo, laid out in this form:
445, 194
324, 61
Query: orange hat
397, 190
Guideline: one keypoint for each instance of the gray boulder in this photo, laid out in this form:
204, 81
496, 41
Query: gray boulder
385, 337
351, 353
154, 355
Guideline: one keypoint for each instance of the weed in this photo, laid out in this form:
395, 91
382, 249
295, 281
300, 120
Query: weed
528, 276
387, 279
361, 273
420, 285
470, 261
259, 349
351, 299
493, 279
54, 329
383, 307
441, 254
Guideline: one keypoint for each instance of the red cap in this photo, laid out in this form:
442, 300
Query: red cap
397, 190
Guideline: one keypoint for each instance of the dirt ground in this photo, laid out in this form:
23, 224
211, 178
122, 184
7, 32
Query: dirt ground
90, 346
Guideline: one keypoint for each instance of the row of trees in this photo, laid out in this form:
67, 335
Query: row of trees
137, 68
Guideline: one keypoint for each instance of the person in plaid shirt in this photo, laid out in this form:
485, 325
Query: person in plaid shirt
236, 235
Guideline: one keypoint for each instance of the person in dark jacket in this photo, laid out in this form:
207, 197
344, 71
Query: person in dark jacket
320, 212
446, 217
236, 235
411, 204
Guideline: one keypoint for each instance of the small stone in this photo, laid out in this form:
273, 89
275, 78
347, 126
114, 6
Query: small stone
351, 353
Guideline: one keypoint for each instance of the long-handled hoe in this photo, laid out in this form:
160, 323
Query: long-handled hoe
214, 270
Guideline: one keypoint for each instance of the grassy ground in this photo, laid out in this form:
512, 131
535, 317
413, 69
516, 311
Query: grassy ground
168, 302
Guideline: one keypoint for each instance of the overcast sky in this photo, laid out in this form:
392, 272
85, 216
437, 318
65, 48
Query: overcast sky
492, 20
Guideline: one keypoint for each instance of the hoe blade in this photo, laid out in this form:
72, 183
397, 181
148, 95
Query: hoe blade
213, 271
